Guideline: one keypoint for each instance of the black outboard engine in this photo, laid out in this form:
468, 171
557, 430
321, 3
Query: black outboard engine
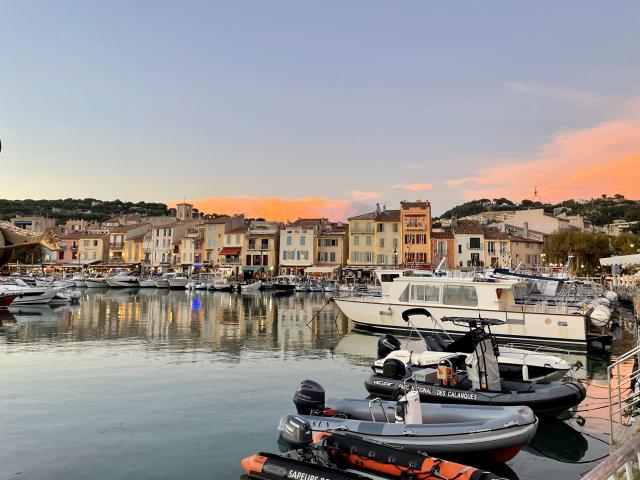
297, 432
309, 398
387, 344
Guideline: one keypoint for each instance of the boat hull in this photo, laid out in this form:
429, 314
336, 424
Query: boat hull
449, 431
567, 331
545, 399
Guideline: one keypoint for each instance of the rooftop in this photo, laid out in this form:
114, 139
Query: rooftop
466, 227
381, 216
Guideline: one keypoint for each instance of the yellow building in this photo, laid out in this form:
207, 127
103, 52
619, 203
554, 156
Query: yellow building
415, 220
374, 240
93, 248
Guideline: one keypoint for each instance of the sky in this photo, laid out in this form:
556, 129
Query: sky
284, 109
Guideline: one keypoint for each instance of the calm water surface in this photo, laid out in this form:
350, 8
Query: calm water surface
158, 384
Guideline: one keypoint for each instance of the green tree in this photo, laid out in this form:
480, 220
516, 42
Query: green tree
627, 243
586, 247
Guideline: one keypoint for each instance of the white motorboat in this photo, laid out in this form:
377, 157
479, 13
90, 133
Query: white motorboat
315, 287
471, 297
96, 281
330, 286
163, 282
79, 281
302, 287
251, 287
177, 281
123, 280
147, 283
26, 295
66, 297
54, 282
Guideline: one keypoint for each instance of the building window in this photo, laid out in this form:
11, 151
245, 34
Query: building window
475, 259
380, 227
303, 240
474, 242
356, 240
382, 243
491, 247
394, 227
288, 239
503, 247
252, 244
368, 240
395, 243
264, 244
85, 243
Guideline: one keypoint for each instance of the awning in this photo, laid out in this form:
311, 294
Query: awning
232, 251
624, 260
321, 269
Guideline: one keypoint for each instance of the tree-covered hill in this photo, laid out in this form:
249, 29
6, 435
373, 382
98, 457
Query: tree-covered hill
599, 211
70, 208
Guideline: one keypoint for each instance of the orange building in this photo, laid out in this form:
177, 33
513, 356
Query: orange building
415, 222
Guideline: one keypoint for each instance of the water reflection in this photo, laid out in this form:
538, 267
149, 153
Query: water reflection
219, 322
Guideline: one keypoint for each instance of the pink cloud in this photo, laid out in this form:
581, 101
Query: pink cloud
275, 208
360, 195
416, 187
584, 163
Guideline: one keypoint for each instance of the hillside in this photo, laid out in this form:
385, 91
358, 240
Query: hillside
599, 211
69, 208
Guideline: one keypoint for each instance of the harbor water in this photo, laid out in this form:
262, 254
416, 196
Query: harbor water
158, 384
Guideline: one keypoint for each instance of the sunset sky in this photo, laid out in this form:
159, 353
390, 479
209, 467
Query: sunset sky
286, 108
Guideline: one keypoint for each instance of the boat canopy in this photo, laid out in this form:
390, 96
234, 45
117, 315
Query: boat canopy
329, 269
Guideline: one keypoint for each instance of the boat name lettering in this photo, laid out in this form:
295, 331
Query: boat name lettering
447, 393
297, 475
382, 382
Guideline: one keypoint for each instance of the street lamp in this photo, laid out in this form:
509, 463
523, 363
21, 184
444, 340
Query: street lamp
395, 257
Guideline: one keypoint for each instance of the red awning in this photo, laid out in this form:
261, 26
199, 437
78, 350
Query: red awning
232, 251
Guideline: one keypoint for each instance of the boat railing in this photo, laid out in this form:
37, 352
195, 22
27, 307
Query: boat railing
619, 461
623, 390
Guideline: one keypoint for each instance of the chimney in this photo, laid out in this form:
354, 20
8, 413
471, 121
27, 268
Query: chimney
384, 207
454, 222
377, 209
525, 230
503, 227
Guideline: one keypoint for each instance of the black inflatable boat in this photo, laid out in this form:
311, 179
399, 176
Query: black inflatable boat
473, 379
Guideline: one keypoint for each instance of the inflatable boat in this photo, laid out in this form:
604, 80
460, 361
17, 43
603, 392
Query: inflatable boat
474, 379
342, 456
513, 363
486, 433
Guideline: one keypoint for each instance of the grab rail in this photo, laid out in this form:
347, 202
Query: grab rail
384, 410
620, 399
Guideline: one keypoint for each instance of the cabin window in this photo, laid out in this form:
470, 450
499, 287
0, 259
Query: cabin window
425, 293
405, 294
460, 295
388, 277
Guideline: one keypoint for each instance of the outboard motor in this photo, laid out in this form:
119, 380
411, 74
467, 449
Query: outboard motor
309, 398
387, 344
297, 432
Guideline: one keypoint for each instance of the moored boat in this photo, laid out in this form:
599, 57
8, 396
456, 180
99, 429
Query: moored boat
474, 379
343, 456
123, 280
465, 297
513, 363
485, 432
